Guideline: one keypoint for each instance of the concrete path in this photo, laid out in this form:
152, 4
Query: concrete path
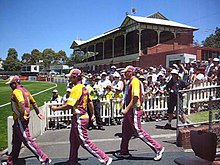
56, 144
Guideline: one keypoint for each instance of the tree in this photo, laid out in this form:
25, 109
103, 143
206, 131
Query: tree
71, 60
12, 63
196, 43
48, 57
60, 57
213, 40
26, 58
36, 55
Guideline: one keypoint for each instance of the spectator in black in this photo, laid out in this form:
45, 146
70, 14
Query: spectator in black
173, 86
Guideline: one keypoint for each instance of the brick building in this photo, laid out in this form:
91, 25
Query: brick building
139, 41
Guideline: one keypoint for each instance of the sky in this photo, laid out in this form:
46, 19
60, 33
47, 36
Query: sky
39, 24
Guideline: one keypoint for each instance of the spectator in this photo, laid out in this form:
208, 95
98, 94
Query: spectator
173, 86
214, 70
93, 91
117, 82
103, 83
56, 97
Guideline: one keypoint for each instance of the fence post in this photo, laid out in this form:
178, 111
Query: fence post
210, 113
10, 123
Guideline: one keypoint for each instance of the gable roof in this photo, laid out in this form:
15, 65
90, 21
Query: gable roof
156, 21
157, 15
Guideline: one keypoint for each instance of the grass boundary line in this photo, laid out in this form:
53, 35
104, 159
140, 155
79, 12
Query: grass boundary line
3, 105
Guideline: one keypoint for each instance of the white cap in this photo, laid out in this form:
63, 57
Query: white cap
216, 60
113, 67
68, 90
55, 91
176, 66
174, 71
116, 74
103, 73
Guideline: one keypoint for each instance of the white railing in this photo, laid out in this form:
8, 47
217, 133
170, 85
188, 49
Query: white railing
59, 80
36, 126
53, 118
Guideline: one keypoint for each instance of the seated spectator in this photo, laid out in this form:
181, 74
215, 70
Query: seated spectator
56, 97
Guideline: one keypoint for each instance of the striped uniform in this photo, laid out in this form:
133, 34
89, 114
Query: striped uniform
78, 99
20, 128
132, 123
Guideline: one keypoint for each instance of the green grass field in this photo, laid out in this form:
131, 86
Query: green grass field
202, 116
33, 87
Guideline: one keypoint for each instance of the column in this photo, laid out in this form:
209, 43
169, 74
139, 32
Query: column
139, 42
158, 36
125, 44
103, 50
95, 52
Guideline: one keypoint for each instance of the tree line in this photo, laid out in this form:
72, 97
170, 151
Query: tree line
46, 58
49, 57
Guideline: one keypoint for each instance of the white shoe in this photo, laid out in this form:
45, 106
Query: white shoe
48, 161
108, 162
159, 154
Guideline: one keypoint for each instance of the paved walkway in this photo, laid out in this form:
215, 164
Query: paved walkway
56, 144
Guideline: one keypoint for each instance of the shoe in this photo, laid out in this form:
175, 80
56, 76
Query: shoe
167, 126
159, 154
46, 162
122, 156
101, 128
108, 162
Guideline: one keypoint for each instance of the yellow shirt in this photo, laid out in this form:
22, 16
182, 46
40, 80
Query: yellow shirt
78, 99
21, 95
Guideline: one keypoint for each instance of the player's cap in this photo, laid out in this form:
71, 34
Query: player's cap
13, 79
74, 72
128, 68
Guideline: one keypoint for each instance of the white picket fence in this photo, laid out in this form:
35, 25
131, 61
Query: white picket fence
110, 109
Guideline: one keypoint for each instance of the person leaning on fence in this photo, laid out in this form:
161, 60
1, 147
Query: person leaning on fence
132, 118
20, 101
79, 101
173, 86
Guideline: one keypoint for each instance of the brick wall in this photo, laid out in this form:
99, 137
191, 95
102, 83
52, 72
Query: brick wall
183, 139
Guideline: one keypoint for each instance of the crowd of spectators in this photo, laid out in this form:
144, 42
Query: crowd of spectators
154, 79
110, 84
